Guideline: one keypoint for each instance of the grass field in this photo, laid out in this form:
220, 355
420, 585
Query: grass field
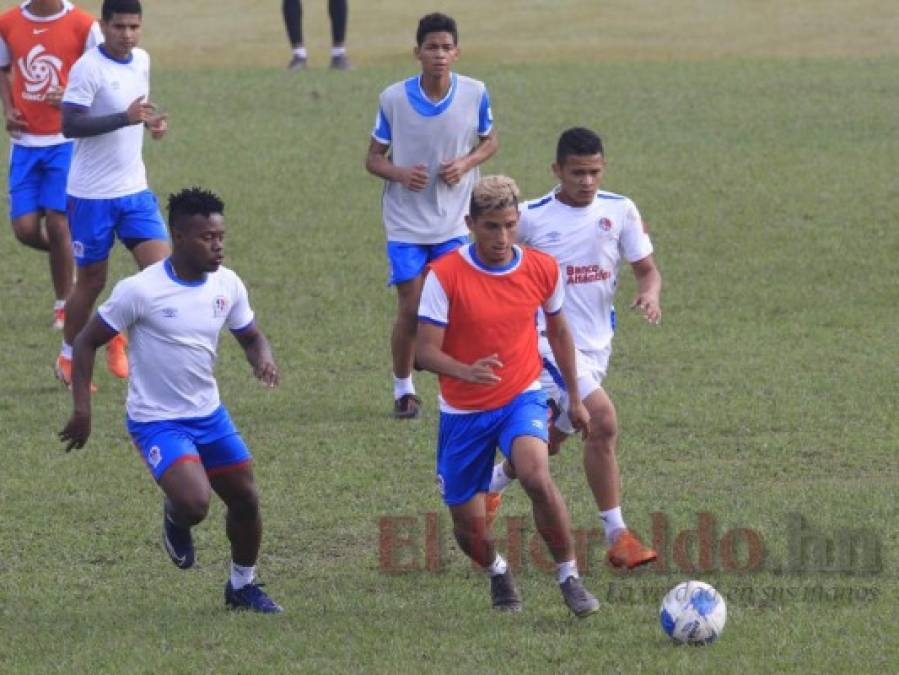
760, 141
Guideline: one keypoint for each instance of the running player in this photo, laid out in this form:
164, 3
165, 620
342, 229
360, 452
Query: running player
431, 133
39, 42
105, 108
477, 332
174, 311
589, 231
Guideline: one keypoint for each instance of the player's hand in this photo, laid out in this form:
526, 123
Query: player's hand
54, 96
481, 371
451, 171
267, 373
649, 305
158, 125
140, 111
77, 431
15, 122
580, 418
414, 178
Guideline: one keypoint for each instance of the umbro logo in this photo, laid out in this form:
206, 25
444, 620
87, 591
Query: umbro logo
537, 424
169, 312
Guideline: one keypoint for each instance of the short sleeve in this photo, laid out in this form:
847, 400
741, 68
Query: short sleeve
5, 59
241, 315
553, 304
485, 115
381, 131
634, 241
82, 86
434, 305
94, 36
122, 309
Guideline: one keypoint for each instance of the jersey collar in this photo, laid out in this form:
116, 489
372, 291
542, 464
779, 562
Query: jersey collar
66, 8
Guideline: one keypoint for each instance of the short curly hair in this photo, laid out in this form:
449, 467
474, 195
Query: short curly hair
192, 201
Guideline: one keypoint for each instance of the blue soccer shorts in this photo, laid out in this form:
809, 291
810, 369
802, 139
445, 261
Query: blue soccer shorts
407, 261
213, 441
467, 444
95, 223
37, 178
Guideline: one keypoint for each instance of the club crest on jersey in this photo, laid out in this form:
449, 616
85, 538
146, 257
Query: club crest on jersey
605, 224
219, 306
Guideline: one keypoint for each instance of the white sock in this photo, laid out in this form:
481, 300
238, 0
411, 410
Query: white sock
565, 570
338, 51
500, 480
299, 51
497, 567
59, 304
402, 386
612, 521
66, 350
241, 576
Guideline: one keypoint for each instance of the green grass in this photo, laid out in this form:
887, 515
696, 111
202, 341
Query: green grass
769, 187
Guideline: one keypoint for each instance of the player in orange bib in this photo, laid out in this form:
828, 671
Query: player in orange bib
39, 42
477, 331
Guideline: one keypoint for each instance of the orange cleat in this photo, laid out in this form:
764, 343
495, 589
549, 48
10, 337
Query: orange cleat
59, 318
629, 552
63, 370
116, 359
492, 500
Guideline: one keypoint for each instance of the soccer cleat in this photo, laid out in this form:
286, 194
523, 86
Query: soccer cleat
177, 542
492, 501
579, 600
59, 318
63, 371
407, 407
297, 63
340, 62
504, 593
250, 597
629, 552
116, 359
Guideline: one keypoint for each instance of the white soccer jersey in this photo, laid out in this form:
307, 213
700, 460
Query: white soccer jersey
589, 243
173, 328
109, 165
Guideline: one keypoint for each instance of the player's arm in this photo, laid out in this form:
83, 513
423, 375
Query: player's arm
259, 353
77, 123
15, 122
93, 336
377, 162
452, 171
429, 355
649, 289
562, 344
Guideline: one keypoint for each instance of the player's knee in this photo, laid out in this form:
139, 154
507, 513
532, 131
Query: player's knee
58, 229
245, 506
191, 509
539, 486
602, 436
90, 283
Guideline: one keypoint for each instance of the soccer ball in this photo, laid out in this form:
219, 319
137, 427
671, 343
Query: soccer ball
693, 613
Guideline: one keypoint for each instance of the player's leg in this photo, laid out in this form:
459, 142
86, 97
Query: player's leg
228, 464
55, 165
523, 440
24, 183
90, 279
292, 11
465, 448
338, 12
604, 478
407, 263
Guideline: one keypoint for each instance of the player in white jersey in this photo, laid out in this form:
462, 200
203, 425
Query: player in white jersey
589, 232
431, 133
173, 311
105, 108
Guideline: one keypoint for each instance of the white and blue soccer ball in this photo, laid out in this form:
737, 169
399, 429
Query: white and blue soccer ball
693, 612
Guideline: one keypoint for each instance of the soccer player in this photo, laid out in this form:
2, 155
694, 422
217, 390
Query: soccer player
431, 133
477, 332
589, 231
39, 42
292, 10
174, 311
105, 108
